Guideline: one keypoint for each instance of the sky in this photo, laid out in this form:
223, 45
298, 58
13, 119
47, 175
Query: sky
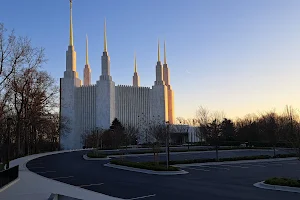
234, 56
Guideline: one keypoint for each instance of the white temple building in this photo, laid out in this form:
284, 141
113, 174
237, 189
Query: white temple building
88, 106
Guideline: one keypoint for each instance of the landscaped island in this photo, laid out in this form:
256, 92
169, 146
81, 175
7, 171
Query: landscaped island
175, 162
161, 166
145, 165
96, 154
283, 182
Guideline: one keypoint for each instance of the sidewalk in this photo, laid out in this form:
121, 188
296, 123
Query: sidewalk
31, 186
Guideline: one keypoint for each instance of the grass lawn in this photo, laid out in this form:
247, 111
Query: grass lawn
283, 182
144, 165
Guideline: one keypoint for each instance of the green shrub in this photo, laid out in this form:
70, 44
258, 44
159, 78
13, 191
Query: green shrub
144, 165
175, 162
285, 155
1, 166
96, 154
245, 158
283, 182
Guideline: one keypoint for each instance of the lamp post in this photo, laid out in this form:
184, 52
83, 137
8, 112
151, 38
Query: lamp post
9, 122
97, 143
167, 145
188, 142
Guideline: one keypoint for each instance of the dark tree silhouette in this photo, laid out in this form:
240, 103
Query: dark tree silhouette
228, 130
213, 134
117, 132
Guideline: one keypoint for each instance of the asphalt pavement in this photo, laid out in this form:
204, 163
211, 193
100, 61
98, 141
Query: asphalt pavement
226, 182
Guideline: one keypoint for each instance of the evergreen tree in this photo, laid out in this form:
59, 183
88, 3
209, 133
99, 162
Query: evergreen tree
117, 132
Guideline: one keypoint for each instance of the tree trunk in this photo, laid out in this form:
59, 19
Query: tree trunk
274, 151
217, 153
18, 139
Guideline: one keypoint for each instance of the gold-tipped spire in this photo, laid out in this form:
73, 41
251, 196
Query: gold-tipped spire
165, 54
71, 25
135, 65
158, 52
105, 40
87, 50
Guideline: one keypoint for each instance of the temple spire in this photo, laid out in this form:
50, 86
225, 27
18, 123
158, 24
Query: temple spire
71, 26
135, 78
87, 51
105, 40
158, 52
135, 65
165, 53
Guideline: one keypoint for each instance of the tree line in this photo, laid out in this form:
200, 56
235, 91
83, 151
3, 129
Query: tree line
116, 136
29, 119
269, 129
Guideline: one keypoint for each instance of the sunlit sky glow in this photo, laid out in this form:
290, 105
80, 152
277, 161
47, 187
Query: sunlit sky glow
234, 56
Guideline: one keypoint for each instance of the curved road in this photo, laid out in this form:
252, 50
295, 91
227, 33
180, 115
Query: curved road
214, 183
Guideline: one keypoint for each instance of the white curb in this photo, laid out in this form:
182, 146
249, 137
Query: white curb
145, 171
263, 185
85, 157
9, 184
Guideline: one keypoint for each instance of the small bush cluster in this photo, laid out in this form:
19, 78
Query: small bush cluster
283, 182
144, 165
96, 154
285, 155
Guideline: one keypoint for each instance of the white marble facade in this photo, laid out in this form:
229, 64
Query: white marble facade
90, 106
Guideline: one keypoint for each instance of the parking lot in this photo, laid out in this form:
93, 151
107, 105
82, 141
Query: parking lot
225, 181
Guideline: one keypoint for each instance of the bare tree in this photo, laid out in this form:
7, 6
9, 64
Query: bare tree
269, 127
213, 130
28, 95
131, 134
15, 52
293, 133
203, 117
157, 132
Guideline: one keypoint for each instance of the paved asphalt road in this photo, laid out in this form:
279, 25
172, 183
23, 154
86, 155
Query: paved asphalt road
226, 182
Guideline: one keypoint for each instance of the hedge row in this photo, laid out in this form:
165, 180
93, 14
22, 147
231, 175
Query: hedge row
175, 162
250, 143
144, 165
96, 154
283, 182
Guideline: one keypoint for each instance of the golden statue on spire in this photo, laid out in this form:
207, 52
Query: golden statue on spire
71, 26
